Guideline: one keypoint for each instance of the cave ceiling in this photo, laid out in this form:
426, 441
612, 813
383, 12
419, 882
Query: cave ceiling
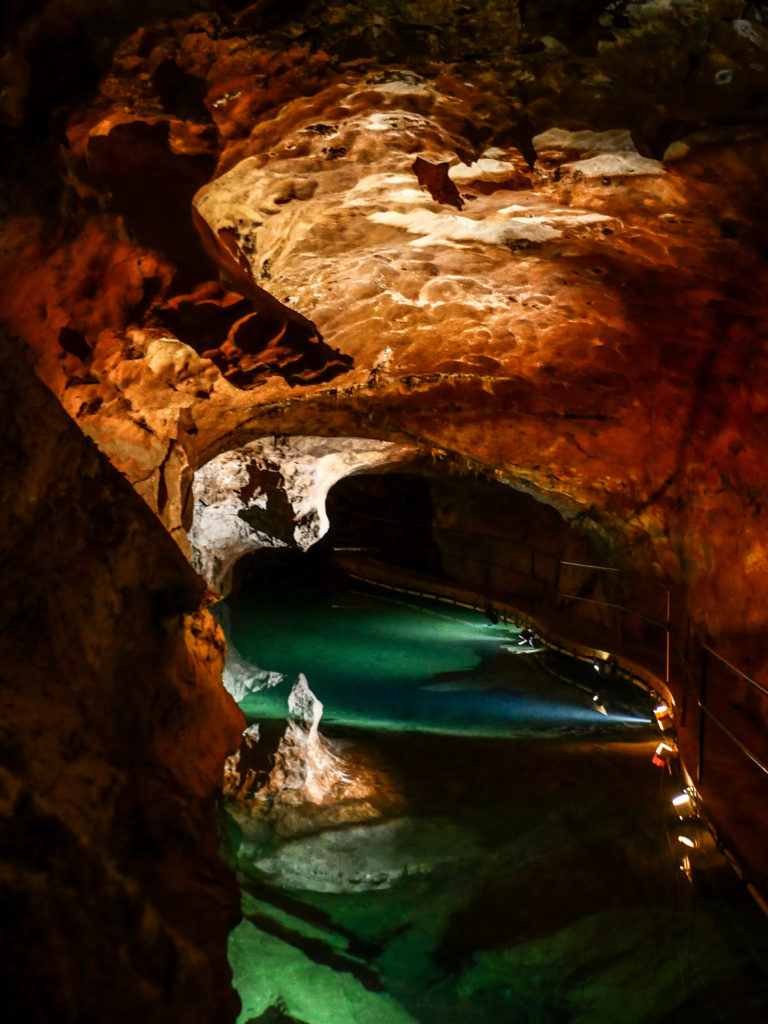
525, 238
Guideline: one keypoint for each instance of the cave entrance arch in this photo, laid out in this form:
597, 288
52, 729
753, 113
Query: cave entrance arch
391, 504
488, 538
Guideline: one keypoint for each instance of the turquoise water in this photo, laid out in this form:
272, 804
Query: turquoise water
520, 862
381, 660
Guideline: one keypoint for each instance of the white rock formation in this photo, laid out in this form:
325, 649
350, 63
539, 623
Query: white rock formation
306, 766
364, 858
241, 677
271, 493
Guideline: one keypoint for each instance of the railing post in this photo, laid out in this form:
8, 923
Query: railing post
487, 573
684, 703
669, 628
702, 715
532, 577
687, 636
621, 610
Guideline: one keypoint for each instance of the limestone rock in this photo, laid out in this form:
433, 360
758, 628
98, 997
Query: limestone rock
114, 730
271, 493
570, 297
305, 763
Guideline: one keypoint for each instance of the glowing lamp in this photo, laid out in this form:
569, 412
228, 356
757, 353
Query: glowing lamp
663, 715
686, 841
682, 801
662, 755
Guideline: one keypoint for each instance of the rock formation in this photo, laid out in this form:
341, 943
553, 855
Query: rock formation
271, 493
522, 241
301, 782
114, 730
528, 259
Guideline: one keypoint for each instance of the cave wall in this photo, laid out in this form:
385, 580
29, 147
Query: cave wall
506, 542
113, 732
272, 493
501, 543
524, 240
521, 236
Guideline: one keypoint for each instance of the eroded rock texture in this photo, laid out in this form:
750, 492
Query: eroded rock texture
530, 240
113, 732
523, 240
271, 493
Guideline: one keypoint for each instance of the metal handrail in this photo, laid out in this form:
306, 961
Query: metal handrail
737, 671
742, 747
681, 657
613, 568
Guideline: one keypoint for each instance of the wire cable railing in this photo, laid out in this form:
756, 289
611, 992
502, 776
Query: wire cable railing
543, 572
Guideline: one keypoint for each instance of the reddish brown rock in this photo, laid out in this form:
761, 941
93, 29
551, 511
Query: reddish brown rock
114, 731
574, 303
564, 327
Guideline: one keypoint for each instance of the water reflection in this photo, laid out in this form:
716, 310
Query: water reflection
500, 852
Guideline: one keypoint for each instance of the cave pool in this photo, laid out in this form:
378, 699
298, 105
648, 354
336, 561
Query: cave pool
529, 869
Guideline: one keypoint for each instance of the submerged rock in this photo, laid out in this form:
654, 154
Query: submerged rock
368, 857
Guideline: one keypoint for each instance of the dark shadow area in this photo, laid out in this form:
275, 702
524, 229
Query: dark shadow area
286, 569
249, 344
389, 516
137, 163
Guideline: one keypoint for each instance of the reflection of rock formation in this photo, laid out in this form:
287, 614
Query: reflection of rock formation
301, 781
362, 858
271, 493
241, 677
306, 766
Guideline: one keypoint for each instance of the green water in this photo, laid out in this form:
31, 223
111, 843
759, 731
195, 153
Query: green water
381, 660
530, 871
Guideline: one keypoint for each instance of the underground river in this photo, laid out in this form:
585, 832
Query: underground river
483, 836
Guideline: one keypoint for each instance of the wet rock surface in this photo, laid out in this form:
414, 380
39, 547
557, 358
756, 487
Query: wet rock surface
114, 729
288, 780
522, 240
528, 239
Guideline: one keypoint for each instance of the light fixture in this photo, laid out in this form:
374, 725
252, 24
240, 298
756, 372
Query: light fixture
663, 715
663, 755
682, 802
599, 705
686, 841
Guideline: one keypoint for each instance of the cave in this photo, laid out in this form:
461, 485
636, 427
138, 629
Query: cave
448, 313
423, 777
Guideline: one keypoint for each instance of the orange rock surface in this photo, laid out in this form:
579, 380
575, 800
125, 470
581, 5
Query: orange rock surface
114, 730
589, 322
524, 242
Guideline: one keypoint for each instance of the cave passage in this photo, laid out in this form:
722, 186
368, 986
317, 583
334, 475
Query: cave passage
382, 660
515, 856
